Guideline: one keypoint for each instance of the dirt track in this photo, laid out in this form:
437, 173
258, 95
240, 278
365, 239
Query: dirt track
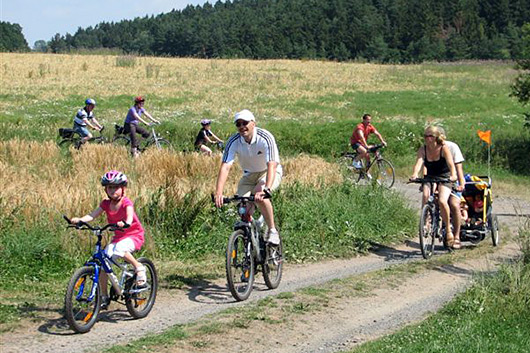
346, 323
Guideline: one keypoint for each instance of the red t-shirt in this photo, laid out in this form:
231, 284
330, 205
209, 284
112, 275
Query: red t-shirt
135, 231
367, 130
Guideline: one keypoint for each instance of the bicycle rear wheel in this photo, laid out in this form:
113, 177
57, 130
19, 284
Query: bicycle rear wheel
427, 235
140, 299
272, 268
350, 171
239, 266
382, 173
81, 310
121, 140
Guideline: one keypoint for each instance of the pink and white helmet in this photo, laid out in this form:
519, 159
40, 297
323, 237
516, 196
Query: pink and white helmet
114, 177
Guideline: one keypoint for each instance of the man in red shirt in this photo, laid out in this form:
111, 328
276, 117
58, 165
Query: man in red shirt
359, 137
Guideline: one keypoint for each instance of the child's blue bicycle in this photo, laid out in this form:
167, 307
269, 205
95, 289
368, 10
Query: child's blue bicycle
83, 299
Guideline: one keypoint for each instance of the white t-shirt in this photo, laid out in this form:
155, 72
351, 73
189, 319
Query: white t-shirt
458, 157
254, 156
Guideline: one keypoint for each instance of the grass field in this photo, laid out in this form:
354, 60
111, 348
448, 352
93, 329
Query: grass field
311, 108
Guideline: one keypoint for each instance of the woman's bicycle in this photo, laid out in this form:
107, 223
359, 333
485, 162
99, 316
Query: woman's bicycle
70, 137
431, 227
247, 249
154, 139
83, 299
379, 170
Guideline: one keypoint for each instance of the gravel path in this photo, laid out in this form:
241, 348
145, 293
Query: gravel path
374, 316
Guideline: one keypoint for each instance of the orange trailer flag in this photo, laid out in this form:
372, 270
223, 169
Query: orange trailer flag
485, 136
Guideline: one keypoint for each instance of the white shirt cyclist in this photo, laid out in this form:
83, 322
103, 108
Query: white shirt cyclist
253, 156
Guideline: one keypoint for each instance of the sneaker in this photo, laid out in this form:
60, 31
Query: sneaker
274, 237
357, 164
105, 302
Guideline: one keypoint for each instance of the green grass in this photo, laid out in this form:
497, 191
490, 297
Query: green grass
491, 316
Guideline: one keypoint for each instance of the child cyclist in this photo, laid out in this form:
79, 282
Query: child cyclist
120, 211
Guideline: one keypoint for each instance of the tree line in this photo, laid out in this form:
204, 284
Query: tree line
395, 31
11, 38
374, 30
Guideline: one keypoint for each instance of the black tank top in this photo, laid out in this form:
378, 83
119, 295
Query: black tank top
438, 168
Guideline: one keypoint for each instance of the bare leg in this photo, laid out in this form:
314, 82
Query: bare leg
456, 217
443, 196
265, 207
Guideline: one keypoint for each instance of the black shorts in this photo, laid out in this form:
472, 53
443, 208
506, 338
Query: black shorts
356, 145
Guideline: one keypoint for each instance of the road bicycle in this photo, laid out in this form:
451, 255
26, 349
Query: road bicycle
70, 137
123, 139
431, 227
379, 170
247, 249
83, 295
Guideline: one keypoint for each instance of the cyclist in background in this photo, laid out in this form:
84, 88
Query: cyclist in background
359, 137
437, 159
131, 125
259, 158
206, 136
85, 117
120, 211
456, 194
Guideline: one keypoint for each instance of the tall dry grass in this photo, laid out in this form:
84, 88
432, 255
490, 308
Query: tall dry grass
215, 86
38, 181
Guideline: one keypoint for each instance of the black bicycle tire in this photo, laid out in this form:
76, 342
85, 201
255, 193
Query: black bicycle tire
346, 161
426, 249
121, 140
164, 144
90, 317
494, 228
67, 142
131, 301
377, 165
273, 282
232, 273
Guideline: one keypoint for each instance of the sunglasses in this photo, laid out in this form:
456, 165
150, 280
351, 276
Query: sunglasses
242, 123
428, 136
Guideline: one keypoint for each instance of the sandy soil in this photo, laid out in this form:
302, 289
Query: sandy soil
345, 323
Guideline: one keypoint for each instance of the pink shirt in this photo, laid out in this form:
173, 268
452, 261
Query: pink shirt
135, 231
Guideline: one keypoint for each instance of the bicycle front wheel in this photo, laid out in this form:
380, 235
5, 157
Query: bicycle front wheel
383, 173
427, 235
272, 268
239, 266
82, 303
140, 299
163, 144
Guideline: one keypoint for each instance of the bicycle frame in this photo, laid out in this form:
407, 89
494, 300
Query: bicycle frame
251, 229
100, 260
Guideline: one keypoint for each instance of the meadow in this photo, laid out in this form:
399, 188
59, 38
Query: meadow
311, 108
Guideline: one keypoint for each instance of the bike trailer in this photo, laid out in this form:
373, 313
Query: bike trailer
479, 199
66, 133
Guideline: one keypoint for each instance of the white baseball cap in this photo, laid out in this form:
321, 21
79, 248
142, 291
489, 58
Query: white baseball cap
245, 114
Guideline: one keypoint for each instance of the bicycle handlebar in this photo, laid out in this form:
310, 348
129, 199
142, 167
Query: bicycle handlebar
83, 226
429, 179
235, 198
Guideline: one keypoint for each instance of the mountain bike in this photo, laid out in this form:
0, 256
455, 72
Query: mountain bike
123, 139
379, 170
431, 227
70, 137
83, 295
247, 249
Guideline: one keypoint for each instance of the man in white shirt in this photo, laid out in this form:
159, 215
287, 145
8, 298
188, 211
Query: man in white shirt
259, 158
454, 200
